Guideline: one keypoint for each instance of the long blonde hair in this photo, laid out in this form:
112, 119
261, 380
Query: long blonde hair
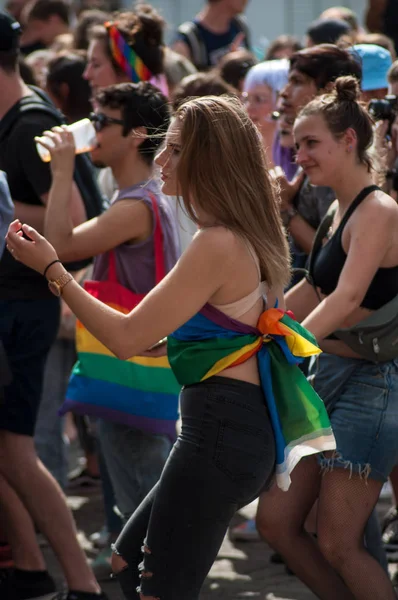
222, 166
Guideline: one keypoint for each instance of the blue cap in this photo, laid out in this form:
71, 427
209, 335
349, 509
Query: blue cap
376, 62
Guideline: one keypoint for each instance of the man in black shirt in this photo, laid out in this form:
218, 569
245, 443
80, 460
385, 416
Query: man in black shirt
29, 318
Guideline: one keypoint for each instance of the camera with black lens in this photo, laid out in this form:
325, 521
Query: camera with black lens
385, 109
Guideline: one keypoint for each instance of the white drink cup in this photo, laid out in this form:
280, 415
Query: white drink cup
83, 134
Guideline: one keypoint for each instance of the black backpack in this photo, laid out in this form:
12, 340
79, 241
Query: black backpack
84, 177
195, 41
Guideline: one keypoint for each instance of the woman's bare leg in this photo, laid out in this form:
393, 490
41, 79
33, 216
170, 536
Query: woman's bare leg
345, 505
280, 521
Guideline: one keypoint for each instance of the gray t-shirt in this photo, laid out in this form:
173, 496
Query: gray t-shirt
312, 202
135, 263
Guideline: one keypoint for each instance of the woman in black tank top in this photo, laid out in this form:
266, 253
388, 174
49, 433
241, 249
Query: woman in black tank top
356, 271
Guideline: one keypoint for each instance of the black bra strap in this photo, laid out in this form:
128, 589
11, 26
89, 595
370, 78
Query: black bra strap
356, 202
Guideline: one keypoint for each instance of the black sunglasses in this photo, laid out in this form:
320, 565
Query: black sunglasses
99, 120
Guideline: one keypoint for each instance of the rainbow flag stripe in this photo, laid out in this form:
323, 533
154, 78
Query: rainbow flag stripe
125, 56
211, 342
140, 392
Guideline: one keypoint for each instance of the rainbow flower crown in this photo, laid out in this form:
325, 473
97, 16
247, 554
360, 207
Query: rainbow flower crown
124, 56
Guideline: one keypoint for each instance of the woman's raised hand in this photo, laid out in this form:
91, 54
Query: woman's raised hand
34, 252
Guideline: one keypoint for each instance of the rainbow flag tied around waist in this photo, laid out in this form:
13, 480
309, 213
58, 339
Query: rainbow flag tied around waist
211, 342
142, 391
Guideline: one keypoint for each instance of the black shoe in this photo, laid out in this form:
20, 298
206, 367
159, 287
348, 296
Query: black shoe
25, 585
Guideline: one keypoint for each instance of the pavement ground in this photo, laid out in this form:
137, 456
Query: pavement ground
242, 570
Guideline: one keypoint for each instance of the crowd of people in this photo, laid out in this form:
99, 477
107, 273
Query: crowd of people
204, 294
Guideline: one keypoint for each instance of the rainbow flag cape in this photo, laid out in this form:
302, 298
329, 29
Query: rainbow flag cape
211, 341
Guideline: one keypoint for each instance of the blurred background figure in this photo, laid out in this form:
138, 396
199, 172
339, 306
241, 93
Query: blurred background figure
38, 61
378, 39
140, 30
200, 84
260, 94
86, 20
66, 86
375, 61
382, 17
327, 31
26, 71
233, 67
176, 67
345, 14
218, 29
284, 46
42, 22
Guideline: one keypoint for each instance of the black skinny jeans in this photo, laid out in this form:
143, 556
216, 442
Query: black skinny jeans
222, 460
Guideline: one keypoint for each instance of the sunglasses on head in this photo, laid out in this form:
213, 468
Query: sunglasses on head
99, 120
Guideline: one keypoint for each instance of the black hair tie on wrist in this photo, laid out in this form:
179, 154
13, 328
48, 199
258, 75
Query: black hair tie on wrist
50, 265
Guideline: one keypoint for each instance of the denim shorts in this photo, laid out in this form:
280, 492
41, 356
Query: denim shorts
361, 398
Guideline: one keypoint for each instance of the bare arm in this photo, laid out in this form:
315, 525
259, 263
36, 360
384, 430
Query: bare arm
370, 232
120, 223
301, 300
205, 266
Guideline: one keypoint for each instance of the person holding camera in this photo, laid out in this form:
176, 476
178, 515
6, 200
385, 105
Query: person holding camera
385, 112
376, 62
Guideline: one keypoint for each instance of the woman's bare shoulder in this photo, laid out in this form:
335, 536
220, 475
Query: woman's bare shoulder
379, 206
218, 238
